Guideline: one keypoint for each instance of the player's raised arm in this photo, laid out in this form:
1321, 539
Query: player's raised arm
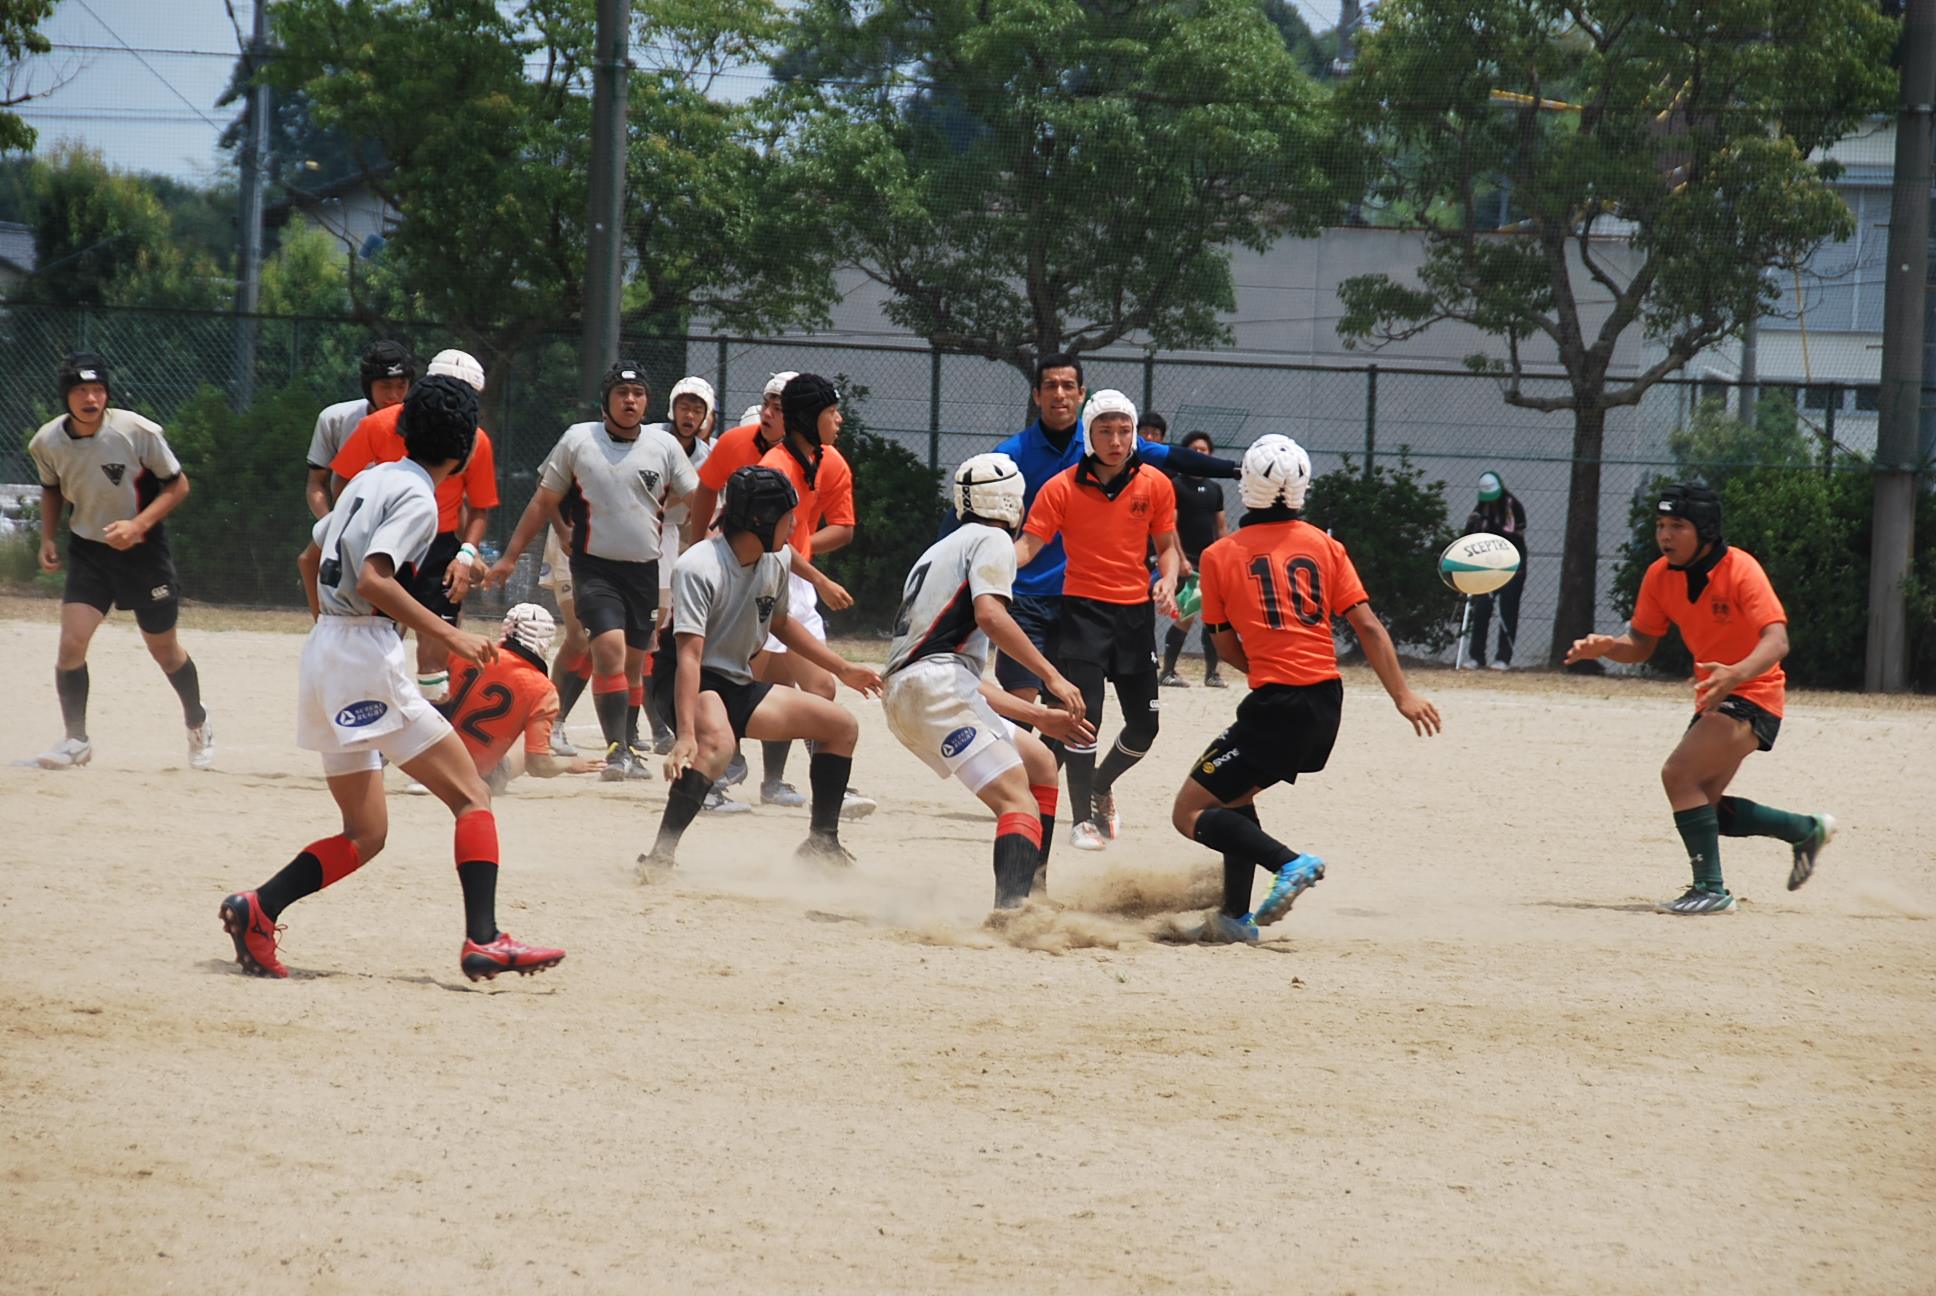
1382, 657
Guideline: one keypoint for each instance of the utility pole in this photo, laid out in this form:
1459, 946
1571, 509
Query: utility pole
605, 255
1750, 364
255, 176
1898, 439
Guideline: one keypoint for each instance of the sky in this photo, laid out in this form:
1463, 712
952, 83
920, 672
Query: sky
143, 77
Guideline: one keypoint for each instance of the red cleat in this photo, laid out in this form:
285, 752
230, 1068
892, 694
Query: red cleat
254, 935
507, 954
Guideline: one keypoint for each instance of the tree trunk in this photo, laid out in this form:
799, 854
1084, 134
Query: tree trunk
1580, 561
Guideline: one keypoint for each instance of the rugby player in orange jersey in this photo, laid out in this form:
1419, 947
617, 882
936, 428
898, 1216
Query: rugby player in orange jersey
1110, 508
1734, 625
1270, 591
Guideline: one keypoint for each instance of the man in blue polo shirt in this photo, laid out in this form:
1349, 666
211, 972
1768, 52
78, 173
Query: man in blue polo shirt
1041, 450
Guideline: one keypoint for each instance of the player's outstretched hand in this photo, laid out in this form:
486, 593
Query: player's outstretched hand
1712, 691
862, 679
680, 758
836, 595
472, 648
500, 573
1068, 727
585, 765
1588, 649
1423, 715
49, 556
1065, 693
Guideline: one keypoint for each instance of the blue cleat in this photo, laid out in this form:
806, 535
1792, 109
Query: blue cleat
1293, 880
1222, 929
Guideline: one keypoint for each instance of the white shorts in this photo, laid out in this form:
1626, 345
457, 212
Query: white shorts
936, 710
554, 573
357, 699
803, 606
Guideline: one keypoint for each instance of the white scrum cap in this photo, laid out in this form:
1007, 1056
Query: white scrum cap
1106, 401
751, 414
990, 486
777, 383
692, 386
530, 627
1276, 471
457, 364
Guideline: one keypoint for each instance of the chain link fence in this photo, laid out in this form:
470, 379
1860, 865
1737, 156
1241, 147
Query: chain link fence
180, 368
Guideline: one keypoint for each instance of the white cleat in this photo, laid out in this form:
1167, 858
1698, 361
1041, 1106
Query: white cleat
561, 744
201, 746
1087, 836
70, 753
855, 806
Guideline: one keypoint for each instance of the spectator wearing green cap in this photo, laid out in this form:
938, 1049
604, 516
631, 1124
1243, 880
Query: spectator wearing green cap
1499, 513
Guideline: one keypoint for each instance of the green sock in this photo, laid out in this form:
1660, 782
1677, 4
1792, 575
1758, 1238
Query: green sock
1740, 817
1701, 830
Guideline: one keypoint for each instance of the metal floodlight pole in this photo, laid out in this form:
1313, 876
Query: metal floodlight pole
255, 176
605, 254
1898, 443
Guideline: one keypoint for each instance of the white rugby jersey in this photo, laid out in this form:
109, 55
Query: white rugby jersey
389, 509
712, 595
937, 616
108, 477
616, 491
333, 428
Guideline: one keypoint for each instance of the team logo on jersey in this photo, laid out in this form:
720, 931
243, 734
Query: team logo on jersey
1139, 508
650, 476
359, 714
957, 742
765, 604
115, 472
1722, 612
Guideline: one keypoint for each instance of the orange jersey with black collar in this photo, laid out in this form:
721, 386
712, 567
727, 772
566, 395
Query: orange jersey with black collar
491, 705
1721, 624
733, 449
1278, 584
1106, 537
377, 440
828, 493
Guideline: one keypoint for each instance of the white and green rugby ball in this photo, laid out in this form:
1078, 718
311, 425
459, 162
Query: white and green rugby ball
1478, 563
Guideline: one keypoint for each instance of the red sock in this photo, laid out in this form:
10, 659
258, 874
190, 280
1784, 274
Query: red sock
613, 683
1045, 798
635, 695
1022, 825
476, 838
338, 857
580, 665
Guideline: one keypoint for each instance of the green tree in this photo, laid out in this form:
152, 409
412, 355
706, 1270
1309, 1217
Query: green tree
1685, 129
104, 236
1029, 176
1394, 523
20, 40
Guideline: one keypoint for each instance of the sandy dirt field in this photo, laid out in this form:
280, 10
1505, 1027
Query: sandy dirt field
1473, 1060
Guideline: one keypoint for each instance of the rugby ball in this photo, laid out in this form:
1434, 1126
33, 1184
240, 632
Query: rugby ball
1478, 563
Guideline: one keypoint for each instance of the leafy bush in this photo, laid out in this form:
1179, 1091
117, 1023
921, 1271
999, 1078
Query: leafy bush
1394, 524
897, 501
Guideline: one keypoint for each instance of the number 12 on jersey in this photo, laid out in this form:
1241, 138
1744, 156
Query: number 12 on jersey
1307, 602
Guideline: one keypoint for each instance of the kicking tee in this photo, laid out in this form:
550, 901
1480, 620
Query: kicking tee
616, 490
491, 705
937, 616
377, 440
731, 605
1108, 529
1721, 624
333, 427
391, 510
1278, 584
108, 477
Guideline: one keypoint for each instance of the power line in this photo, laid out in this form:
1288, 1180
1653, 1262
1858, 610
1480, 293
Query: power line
151, 67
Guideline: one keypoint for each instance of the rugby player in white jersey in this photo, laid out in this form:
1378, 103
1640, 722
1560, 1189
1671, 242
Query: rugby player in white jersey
953, 604
387, 372
357, 704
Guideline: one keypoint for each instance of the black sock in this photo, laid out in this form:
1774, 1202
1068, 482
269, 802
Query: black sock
1238, 870
1117, 763
1173, 648
827, 774
301, 876
188, 687
1700, 830
611, 715
1233, 833
72, 687
479, 880
683, 800
1082, 785
570, 688
1209, 655
1015, 861
775, 755
632, 726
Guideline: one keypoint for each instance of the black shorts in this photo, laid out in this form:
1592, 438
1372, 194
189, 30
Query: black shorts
428, 588
140, 580
1765, 723
1120, 637
1038, 615
613, 595
1281, 731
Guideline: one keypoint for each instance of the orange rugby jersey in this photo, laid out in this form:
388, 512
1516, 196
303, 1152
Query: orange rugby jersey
1278, 584
1107, 539
1724, 624
816, 496
836, 490
376, 440
731, 451
490, 706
